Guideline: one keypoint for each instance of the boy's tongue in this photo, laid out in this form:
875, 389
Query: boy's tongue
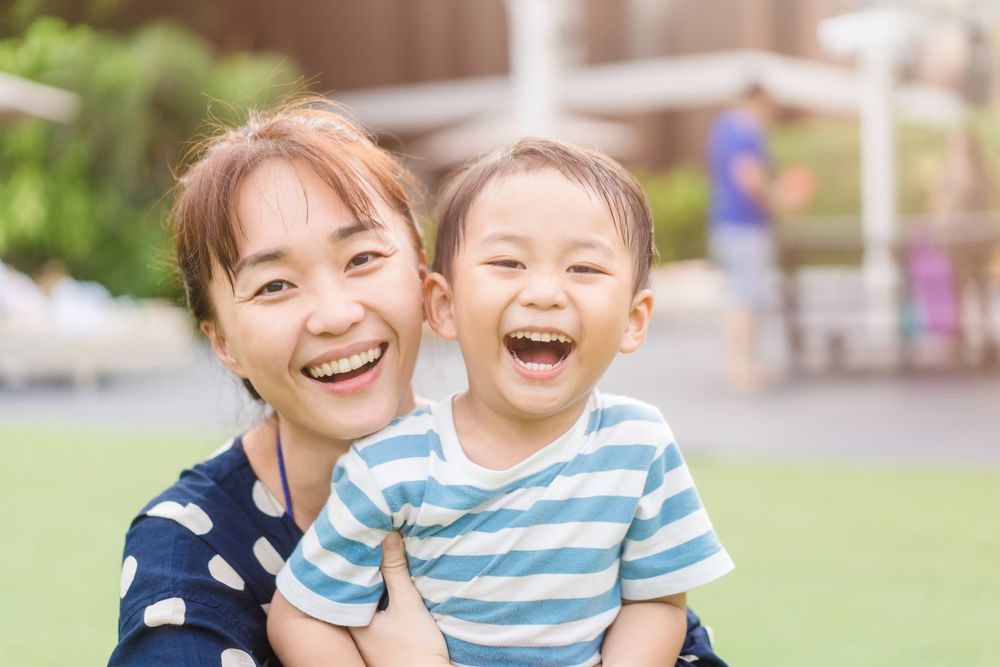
535, 352
539, 354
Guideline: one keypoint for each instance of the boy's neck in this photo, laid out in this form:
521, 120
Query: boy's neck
498, 441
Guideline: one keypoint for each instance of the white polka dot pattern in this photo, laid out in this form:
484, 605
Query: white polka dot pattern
129, 566
165, 612
190, 516
267, 556
224, 572
233, 657
265, 500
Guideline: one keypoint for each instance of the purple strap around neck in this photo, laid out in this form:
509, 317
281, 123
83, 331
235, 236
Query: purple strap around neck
284, 478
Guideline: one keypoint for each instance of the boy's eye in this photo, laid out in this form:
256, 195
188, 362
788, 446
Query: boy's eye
507, 263
583, 268
273, 287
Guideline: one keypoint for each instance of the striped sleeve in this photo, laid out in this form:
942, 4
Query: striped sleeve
671, 546
333, 574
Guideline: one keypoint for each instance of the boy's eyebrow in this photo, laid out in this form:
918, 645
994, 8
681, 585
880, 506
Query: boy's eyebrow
503, 237
592, 244
274, 255
585, 243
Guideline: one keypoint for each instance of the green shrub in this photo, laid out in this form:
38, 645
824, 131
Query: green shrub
94, 192
679, 200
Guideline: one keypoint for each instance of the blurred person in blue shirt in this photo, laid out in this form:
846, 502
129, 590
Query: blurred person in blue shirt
746, 195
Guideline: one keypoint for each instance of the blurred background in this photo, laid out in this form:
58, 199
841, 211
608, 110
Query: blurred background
853, 488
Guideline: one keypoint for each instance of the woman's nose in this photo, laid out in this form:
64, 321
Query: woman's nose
334, 313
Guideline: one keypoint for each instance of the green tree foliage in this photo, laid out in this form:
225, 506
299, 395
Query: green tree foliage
94, 192
831, 149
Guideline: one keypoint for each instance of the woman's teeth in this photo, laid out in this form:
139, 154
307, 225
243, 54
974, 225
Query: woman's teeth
541, 337
346, 364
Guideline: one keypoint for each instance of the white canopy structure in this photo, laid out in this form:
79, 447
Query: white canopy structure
23, 97
466, 116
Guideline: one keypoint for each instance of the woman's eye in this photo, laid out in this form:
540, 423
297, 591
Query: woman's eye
273, 287
363, 258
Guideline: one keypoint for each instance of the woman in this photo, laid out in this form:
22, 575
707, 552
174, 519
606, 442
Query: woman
303, 265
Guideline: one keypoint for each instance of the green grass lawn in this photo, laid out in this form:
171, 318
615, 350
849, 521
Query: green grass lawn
836, 565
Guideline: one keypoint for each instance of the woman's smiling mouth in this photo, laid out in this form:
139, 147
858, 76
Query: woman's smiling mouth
346, 368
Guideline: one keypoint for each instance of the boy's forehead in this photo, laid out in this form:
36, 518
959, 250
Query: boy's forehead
540, 195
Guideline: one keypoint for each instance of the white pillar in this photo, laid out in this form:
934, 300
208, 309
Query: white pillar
877, 37
534, 29
876, 62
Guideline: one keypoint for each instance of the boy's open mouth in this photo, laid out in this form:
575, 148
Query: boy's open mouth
339, 370
538, 351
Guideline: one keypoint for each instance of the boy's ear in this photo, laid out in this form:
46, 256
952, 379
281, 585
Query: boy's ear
438, 306
221, 347
638, 321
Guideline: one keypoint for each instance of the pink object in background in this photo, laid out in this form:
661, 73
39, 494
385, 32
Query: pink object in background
932, 284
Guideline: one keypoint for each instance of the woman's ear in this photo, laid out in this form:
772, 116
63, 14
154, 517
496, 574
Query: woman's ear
637, 325
220, 346
422, 266
438, 306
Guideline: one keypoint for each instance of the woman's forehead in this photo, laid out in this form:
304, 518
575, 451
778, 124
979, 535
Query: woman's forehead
279, 195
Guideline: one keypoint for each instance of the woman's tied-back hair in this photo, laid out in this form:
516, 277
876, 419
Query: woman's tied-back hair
311, 131
592, 170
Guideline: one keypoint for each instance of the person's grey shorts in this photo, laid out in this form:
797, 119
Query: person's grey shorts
745, 255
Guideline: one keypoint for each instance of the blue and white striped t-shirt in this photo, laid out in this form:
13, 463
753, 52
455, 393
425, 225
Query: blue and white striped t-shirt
525, 566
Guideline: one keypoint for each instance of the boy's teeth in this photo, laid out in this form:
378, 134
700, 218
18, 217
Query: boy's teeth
346, 364
536, 367
542, 337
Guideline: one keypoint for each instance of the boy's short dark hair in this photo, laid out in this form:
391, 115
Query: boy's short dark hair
593, 170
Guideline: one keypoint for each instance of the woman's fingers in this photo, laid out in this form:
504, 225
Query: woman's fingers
405, 633
395, 571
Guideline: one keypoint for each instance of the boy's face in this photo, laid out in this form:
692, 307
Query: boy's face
541, 258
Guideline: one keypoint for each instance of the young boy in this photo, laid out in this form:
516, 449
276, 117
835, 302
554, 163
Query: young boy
537, 513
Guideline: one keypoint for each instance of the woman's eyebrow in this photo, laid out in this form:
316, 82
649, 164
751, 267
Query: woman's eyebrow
258, 258
349, 230
277, 254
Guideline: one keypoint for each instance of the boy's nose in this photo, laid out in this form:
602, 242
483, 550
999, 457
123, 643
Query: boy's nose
544, 291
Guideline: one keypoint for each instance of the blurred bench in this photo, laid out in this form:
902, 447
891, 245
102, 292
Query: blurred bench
131, 337
823, 299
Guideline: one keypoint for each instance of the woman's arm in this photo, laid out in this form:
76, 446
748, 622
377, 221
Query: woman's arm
172, 609
650, 632
405, 633
301, 640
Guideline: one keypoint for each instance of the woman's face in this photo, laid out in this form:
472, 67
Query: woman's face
323, 316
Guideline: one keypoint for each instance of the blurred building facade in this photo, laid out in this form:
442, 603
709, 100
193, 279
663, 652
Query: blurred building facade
344, 45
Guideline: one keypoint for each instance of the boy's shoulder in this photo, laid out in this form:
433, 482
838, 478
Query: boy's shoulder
614, 413
409, 436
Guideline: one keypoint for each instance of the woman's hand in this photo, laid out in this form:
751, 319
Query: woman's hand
405, 633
